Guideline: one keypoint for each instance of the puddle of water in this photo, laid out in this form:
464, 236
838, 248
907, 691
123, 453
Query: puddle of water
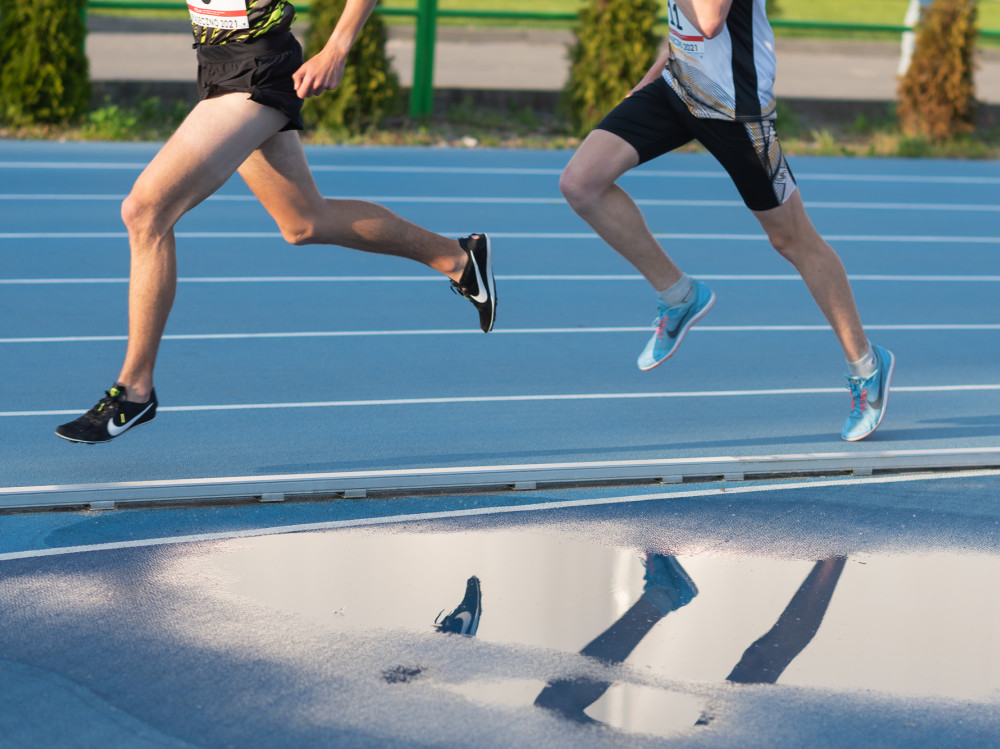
922, 625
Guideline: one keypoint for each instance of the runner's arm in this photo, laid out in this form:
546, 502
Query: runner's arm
324, 71
708, 16
654, 72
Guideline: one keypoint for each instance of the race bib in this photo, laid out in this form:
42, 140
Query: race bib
684, 37
219, 14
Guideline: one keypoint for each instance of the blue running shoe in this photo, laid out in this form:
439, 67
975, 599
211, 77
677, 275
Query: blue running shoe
668, 586
672, 324
869, 397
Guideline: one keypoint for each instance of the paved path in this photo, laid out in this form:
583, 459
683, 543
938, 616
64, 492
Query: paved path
531, 60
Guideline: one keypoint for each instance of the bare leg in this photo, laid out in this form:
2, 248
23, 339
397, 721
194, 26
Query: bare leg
279, 175
588, 184
202, 154
793, 235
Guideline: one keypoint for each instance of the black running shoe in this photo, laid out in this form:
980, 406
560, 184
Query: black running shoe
477, 283
112, 416
464, 620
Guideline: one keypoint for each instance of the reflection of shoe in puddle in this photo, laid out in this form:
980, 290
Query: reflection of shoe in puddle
668, 586
464, 620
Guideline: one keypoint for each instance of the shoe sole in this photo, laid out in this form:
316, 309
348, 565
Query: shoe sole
109, 439
684, 332
886, 386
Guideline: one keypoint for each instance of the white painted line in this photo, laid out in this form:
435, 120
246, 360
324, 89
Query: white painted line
102, 165
498, 331
550, 398
641, 173
543, 200
523, 277
553, 506
691, 237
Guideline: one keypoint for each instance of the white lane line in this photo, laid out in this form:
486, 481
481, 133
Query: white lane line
556, 397
419, 517
642, 173
551, 200
523, 277
545, 236
498, 331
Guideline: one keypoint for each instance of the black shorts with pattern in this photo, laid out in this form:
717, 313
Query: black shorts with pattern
654, 120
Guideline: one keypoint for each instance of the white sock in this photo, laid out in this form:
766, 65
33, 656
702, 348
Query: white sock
864, 367
677, 294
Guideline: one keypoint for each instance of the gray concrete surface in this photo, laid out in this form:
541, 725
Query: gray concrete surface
524, 60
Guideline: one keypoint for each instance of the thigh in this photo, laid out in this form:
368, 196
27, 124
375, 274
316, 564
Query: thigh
600, 160
649, 121
205, 151
751, 154
278, 174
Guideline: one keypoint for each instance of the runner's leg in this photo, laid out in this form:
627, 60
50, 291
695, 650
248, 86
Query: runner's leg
207, 148
278, 174
793, 235
588, 184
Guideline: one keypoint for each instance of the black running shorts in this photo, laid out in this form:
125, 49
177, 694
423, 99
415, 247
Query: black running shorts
654, 121
262, 68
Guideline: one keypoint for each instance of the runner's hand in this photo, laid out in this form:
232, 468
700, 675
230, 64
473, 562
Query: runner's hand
318, 74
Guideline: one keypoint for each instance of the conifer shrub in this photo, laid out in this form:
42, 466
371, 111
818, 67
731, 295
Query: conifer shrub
937, 93
44, 76
616, 43
369, 90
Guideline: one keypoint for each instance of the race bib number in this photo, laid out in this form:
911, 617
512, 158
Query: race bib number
219, 14
684, 37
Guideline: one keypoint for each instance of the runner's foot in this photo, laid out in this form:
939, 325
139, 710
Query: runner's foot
112, 416
672, 324
869, 398
477, 283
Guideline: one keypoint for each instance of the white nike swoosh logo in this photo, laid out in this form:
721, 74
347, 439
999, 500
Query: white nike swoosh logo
114, 430
466, 618
482, 296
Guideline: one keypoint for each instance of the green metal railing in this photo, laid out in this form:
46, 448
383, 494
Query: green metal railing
426, 15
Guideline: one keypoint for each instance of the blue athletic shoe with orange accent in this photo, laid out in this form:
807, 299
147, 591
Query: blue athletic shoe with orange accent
668, 586
869, 398
672, 324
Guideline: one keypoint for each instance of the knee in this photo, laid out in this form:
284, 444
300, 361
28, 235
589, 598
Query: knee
579, 189
139, 214
299, 232
783, 242
797, 242
148, 217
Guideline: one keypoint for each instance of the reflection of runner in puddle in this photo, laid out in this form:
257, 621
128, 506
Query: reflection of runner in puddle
667, 588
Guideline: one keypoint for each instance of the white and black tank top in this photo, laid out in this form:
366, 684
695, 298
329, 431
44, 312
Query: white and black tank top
730, 77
